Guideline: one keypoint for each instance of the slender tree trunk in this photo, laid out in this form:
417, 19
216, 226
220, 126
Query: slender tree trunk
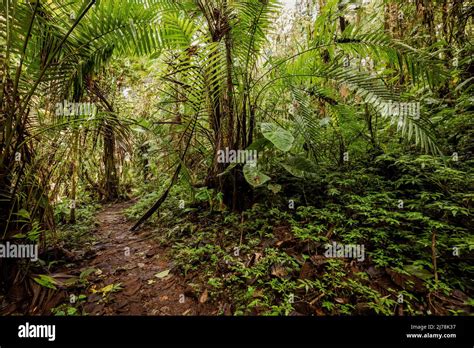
111, 178
72, 217
5, 186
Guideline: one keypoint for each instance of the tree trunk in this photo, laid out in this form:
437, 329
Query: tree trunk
111, 178
72, 217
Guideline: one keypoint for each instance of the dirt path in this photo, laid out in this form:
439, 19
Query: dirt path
138, 263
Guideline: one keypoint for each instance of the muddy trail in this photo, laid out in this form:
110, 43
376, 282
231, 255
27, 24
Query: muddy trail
130, 274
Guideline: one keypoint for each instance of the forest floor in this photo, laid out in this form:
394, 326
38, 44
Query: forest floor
132, 274
186, 263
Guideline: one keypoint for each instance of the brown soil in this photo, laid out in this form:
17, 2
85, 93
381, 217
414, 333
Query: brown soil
135, 269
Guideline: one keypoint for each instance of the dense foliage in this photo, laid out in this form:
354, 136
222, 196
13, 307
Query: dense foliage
360, 113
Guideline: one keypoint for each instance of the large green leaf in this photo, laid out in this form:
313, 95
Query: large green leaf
253, 176
300, 167
281, 138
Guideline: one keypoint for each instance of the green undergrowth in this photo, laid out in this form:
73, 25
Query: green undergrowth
79, 232
270, 259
